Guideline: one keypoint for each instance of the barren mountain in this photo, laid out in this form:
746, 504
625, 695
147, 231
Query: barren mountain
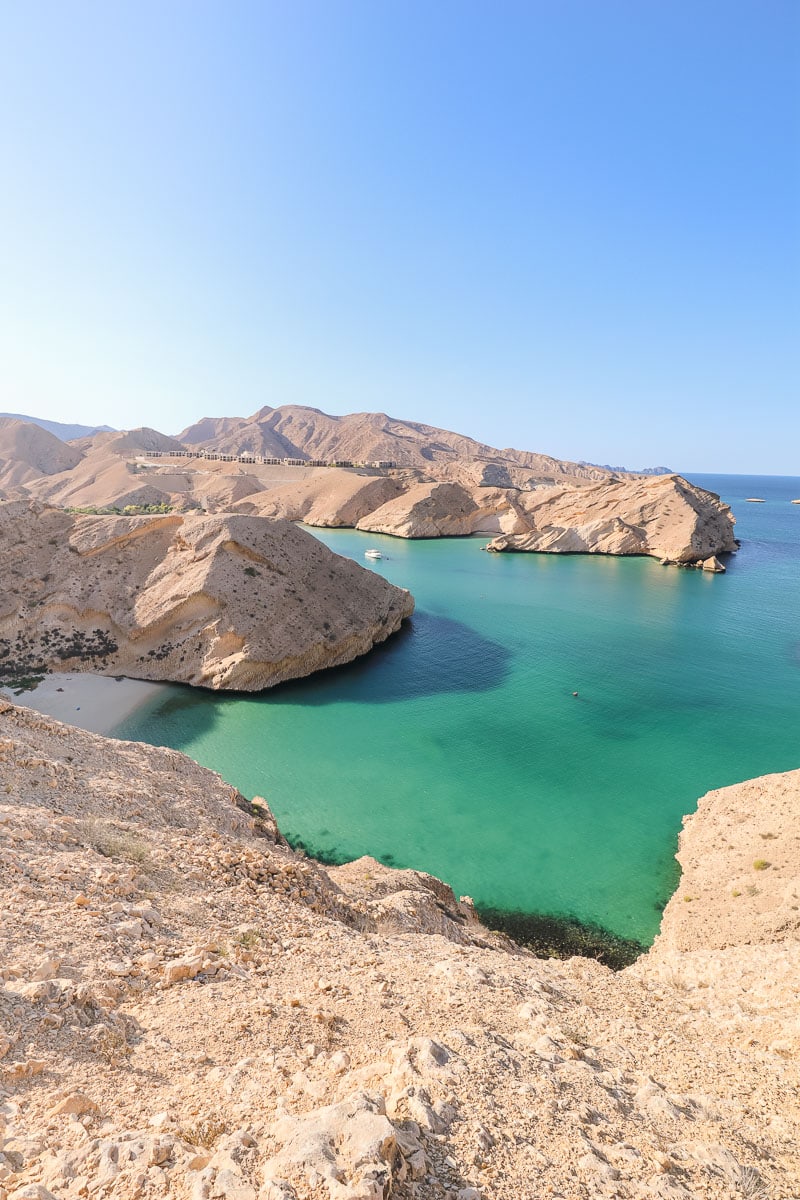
446, 485
27, 452
307, 433
66, 433
106, 471
222, 602
188, 1009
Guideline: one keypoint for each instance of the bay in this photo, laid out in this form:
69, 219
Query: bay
458, 747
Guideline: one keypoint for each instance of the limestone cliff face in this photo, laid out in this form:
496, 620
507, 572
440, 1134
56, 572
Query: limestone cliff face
664, 516
217, 601
426, 510
188, 1008
740, 869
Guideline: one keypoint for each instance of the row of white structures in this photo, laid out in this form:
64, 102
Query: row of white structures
268, 462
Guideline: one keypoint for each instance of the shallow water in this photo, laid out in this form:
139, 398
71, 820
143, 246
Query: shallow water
458, 747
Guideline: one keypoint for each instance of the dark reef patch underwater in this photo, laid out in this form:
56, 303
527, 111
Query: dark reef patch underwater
547, 935
552, 936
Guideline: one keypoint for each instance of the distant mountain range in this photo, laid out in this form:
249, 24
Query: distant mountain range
65, 433
631, 471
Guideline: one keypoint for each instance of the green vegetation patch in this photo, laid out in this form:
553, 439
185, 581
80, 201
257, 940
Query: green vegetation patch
130, 510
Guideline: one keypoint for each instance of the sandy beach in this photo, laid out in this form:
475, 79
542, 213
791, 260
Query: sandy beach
98, 703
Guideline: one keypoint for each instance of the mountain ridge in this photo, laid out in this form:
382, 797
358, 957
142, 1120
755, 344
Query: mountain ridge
64, 432
296, 431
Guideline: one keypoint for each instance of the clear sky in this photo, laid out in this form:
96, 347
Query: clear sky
564, 225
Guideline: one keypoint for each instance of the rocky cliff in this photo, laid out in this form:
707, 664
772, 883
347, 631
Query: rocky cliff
189, 1009
663, 516
216, 601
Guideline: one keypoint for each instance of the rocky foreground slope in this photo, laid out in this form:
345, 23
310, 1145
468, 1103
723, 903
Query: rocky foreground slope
189, 1009
216, 601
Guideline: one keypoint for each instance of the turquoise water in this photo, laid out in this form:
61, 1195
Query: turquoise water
459, 748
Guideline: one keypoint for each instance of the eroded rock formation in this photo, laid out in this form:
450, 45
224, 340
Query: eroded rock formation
216, 601
663, 516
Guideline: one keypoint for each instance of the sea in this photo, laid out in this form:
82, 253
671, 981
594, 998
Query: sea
459, 748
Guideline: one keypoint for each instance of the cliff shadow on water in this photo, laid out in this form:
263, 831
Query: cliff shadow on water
431, 655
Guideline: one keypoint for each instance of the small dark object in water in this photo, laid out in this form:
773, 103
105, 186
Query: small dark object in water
59, 689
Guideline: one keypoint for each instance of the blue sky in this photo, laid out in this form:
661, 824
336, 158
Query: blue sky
569, 226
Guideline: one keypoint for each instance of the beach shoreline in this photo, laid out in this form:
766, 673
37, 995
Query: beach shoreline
97, 703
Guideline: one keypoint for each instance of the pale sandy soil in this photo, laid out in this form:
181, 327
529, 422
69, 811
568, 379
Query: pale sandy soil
93, 702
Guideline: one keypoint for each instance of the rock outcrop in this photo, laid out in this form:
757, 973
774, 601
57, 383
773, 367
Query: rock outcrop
216, 601
427, 510
663, 516
740, 869
444, 484
190, 1009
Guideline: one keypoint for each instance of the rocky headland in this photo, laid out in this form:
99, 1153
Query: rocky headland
190, 1009
664, 516
226, 601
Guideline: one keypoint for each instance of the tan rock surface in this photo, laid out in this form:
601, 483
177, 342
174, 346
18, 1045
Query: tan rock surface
664, 516
328, 498
191, 1010
447, 484
218, 601
426, 510
740, 863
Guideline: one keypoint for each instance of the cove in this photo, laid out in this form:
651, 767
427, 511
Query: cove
458, 747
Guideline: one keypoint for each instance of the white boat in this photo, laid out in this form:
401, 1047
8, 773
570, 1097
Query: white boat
372, 554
